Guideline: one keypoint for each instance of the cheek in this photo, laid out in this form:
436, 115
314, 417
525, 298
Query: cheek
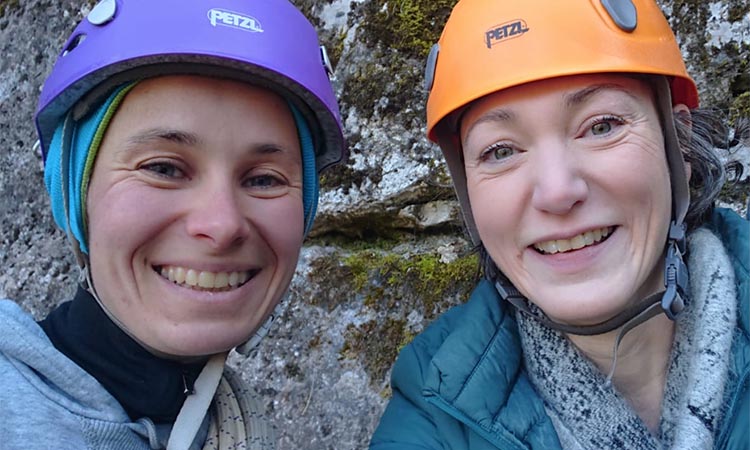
282, 222
644, 180
125, 217
497, 211
496, 201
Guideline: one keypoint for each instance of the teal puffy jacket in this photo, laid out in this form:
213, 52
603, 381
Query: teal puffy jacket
461, 383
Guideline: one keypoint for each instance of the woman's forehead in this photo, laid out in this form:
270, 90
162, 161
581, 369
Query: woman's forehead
198, 114
184, 89
195, 105
572, 91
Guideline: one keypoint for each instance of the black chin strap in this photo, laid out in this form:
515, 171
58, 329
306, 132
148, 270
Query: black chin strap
515, 298
671, 299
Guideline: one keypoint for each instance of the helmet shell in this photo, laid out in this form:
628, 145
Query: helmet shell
490, 45
268, 43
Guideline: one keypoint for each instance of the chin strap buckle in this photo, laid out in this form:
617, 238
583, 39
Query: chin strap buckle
675, 273
510, 294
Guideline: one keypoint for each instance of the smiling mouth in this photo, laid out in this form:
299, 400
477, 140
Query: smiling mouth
578, 242
205, 281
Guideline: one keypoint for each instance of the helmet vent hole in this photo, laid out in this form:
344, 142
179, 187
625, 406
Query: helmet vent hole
623, 12
103, 12
429, 73
74, 42
326, 62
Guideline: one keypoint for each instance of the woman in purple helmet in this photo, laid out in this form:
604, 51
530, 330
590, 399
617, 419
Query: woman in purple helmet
182, 145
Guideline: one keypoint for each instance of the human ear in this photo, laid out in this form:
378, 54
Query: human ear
682, 113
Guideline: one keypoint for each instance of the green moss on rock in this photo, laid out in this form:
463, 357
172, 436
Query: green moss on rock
334, 278
740, 108
365, 343
335, 47
387, 87
409, 26
387, 278
393, 286
344, 176
734, 192
690, 19
400, 34
7, 5
738, 10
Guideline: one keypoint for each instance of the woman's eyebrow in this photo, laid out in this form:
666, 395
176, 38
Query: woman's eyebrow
189, 139
267, 149
164, 134
494, 115
581, 96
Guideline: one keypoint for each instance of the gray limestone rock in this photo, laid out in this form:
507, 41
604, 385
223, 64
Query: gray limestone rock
387, 254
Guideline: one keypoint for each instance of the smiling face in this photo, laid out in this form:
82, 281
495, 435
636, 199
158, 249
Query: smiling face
569, 188
195, 212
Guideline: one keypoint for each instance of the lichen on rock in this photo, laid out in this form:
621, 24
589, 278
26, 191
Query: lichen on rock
394, 286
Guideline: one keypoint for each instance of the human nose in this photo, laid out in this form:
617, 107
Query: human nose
559, 184
218, 216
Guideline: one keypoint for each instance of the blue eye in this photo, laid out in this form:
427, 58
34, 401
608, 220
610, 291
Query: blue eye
605, 125
498, 152
164, 169
502, 152
601, 128
263, 182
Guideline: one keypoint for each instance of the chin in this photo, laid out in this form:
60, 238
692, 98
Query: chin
581, 312
204, 349
201, 343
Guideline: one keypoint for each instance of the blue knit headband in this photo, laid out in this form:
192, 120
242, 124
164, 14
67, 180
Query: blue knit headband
73, 149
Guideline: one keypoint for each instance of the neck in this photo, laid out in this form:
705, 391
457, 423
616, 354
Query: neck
642, 364
144, 384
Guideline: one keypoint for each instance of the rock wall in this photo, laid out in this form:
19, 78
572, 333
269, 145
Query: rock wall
387, 254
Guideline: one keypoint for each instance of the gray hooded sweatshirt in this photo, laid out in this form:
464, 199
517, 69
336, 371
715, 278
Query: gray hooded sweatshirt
48, 402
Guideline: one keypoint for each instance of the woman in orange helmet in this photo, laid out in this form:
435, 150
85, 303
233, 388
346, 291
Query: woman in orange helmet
586, 179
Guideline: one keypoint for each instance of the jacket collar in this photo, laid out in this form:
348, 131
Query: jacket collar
735, 234
476, 374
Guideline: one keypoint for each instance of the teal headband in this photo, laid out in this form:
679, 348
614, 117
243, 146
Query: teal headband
71, 155
310, 186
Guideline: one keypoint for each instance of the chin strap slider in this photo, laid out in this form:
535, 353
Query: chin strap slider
675, 273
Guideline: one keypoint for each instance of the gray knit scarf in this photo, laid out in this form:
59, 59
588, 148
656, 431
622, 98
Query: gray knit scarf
589, 414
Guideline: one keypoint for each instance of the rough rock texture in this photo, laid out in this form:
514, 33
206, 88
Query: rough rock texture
387, 253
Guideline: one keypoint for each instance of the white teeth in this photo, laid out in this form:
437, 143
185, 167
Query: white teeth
234, 279
179, 275
222, 279
202, 279
574, 243
206, 279
577, 242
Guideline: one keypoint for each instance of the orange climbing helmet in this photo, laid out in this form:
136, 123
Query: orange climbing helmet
490, 45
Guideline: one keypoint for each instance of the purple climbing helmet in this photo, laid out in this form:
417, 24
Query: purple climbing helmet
266, 43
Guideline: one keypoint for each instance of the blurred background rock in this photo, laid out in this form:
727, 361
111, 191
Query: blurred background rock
387, 254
